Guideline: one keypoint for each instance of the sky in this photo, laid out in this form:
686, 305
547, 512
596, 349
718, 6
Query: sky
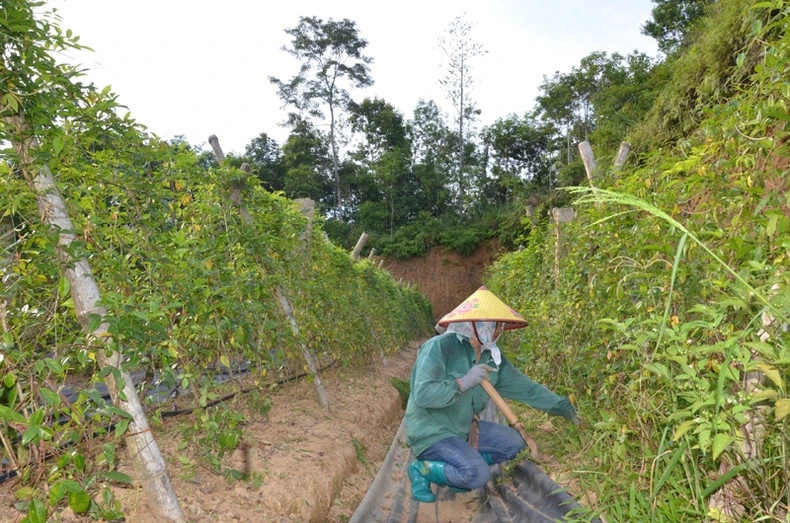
196, 68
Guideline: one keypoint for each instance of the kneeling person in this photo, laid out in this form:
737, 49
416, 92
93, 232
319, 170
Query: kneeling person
442, 430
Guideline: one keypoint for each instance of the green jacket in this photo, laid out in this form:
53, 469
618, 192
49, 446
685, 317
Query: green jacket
437, 408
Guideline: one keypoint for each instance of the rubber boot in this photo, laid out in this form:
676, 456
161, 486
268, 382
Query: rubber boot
420, 487
488, 457
436, 475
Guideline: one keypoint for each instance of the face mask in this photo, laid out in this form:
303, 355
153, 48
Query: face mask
486, 333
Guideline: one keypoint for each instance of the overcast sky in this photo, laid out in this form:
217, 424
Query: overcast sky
196, 68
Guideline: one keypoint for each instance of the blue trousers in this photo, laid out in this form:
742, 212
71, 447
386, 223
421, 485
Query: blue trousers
465, 468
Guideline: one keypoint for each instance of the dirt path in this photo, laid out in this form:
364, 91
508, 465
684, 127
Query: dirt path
307, 464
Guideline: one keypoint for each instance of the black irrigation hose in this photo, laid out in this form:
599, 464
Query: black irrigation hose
10, 474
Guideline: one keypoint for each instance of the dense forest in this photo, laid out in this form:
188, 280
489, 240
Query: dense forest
661, 308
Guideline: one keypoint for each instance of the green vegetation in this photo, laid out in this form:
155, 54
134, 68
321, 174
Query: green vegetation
667, 320
404, 389
189, 258
661, 309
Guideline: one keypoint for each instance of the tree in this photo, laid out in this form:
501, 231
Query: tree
610, 91
460, 49
672, 22
384, 158
519, 150
266, 158
432, 154
330, 52
305, 163
623, 100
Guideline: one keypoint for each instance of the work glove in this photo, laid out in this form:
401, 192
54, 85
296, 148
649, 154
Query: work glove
474, 377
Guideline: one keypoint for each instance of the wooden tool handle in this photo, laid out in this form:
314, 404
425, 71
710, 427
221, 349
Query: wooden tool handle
511, 418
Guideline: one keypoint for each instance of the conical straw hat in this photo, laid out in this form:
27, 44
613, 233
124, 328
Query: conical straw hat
483, 305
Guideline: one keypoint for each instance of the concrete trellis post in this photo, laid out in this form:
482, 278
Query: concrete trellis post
363, 239
7, 238
589, 162
622, 154
725, 500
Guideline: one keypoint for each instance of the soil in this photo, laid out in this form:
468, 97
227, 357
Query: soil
445, 277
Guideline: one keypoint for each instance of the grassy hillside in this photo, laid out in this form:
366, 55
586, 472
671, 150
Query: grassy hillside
667, 321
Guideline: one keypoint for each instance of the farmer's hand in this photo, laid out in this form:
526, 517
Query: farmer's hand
474, 377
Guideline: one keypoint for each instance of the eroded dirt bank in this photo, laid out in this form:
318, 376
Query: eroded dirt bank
445, 277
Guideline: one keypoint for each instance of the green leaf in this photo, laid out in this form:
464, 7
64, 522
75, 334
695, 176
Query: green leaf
682, 429
7, 414
54, 366
670, 466
114, 475
782, 408
37, 513
121, 427
720, 443
57, 144
765, 349
25, 493
61, 488
763, 394
93, 322
64, 286
773, 374
79, 462
770, 229
658, 368
51, 397
79, 502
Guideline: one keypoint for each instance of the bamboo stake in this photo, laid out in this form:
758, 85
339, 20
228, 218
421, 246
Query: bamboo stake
512, 419
282, 300
142, 447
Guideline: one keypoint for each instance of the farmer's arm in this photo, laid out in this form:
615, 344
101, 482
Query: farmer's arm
515, 385
432, 386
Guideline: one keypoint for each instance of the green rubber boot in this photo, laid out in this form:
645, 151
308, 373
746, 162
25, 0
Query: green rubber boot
422, 474
420, 487
434, 472
487, 457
